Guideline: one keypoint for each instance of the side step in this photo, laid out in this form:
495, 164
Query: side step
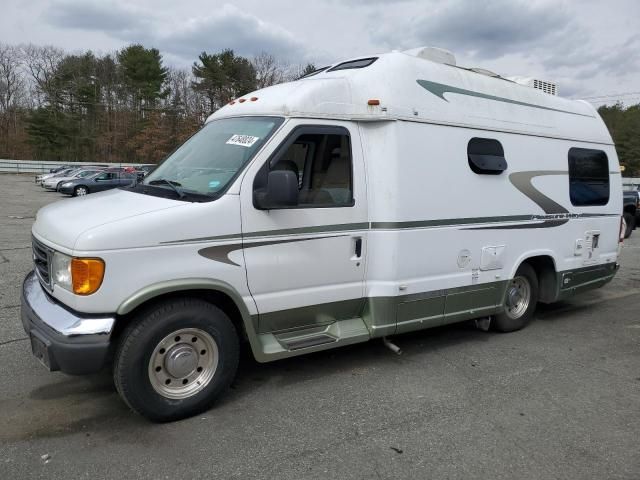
289, 344
304, 342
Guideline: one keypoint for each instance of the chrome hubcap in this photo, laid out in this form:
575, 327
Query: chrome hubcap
82, 191
518, 297
183, 363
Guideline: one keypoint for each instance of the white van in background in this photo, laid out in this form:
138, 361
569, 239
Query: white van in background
378, 196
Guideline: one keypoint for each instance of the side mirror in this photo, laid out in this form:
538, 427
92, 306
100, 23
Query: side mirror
281, 191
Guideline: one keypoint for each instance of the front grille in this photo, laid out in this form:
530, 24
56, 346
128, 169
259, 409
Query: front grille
42, 262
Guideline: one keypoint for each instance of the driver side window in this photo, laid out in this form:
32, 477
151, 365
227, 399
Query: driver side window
321, 159
106, 176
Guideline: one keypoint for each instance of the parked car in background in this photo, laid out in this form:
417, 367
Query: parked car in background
54, 182
631, 210
144, 170
105, 180
41, 178
59, 169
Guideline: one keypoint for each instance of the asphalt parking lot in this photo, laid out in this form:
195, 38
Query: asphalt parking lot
560, 399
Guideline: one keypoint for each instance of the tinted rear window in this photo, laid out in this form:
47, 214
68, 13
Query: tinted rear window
588, 177
361, 63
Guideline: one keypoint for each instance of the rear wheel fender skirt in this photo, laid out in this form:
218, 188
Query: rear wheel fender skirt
535, 253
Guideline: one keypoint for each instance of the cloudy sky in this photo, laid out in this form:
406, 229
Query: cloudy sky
590, 47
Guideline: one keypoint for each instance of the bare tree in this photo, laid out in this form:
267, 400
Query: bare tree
12, 85
12, 94
42, 63
268, 70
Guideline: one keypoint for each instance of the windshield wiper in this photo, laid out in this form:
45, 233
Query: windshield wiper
174, 185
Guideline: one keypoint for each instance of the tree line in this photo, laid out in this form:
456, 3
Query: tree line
128, 106
624, 125
125, 106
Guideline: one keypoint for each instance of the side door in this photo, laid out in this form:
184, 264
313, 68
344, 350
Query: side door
306, 263
125, 179
103, 181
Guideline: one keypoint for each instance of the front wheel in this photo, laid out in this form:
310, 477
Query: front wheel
520, 301
80, 191
176, 359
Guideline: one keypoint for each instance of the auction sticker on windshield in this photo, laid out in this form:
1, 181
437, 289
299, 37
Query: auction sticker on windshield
242, 140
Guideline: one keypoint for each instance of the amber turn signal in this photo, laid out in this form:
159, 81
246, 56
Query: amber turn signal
373, 102
86, 275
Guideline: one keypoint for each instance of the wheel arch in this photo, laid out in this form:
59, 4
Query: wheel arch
545, 266
219, 293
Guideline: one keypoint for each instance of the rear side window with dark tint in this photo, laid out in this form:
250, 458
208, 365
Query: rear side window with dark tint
486, 156
361, 63
588, 177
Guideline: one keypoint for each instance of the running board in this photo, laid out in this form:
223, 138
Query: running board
305, 342
289, 344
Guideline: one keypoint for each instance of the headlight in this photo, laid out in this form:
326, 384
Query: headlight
66, 184
61, 270
82, 276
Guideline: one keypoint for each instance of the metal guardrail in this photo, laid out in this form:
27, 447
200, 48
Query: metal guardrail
42, 166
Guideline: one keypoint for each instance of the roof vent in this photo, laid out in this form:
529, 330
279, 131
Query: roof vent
547, 87
434, 54
484, 71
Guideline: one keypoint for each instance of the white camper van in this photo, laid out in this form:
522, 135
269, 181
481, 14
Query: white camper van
378, 196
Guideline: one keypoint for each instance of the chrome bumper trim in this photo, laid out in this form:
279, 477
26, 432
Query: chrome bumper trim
57, 317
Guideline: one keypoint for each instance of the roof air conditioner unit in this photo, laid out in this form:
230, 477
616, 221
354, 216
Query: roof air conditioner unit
547, 87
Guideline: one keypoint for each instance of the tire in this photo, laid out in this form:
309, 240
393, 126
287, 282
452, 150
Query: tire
80, 191
58, 186
630, 220
150, 371
518, 312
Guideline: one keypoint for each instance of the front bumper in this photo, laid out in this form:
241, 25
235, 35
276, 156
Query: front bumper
66, 190
62, 339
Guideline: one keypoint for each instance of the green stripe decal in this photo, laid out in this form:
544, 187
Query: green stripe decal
439, 89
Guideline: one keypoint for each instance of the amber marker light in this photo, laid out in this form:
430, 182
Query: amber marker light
253, 99
86, 275
373, 102
242, 100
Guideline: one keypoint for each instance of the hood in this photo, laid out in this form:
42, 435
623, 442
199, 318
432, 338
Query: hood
61, 223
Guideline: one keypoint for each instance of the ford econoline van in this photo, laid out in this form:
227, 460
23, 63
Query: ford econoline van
377, 196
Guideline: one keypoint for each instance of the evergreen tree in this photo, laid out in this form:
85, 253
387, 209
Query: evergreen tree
223, 76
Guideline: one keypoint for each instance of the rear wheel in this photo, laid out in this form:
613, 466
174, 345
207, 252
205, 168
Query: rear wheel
80, 191
176, 359
630, 221
520, 301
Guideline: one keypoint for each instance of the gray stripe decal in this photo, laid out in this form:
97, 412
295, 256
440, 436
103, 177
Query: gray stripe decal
439, 89
342, 227
220, 253
448, 222
522, 181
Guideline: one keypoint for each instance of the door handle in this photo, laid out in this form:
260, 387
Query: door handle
358, 247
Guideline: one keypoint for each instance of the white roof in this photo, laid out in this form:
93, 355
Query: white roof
413, 88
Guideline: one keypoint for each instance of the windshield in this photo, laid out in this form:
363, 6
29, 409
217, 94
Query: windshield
209, 160
85, 173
